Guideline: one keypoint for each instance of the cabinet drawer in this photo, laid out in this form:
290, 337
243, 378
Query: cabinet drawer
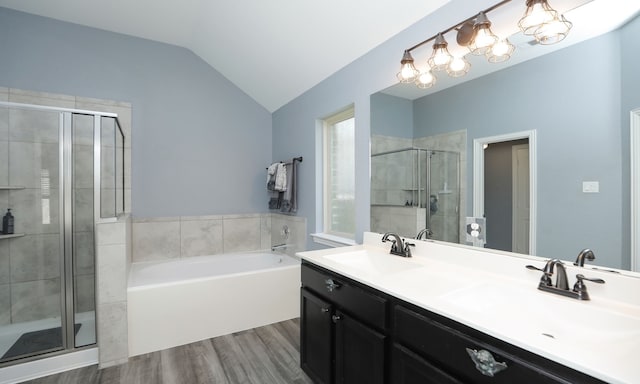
367, 307
447, 348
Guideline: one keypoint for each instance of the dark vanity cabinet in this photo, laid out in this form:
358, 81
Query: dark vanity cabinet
342, 330
354, 334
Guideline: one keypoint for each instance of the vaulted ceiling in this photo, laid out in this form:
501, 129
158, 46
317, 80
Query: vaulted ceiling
273, 50
276, 50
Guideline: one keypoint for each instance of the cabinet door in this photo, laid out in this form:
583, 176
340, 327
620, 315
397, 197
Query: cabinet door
409, 368
315, 337
359, 352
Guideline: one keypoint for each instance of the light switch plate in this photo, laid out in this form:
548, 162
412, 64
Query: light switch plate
590, 186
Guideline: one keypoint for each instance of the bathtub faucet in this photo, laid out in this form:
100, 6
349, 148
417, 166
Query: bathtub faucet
279, 246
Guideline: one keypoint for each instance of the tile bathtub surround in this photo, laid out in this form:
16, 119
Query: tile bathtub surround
112, 265
175, 237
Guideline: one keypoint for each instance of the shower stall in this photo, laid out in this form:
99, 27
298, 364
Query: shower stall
413, 189
61, 172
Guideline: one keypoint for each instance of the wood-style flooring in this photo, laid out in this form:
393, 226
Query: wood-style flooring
265, 355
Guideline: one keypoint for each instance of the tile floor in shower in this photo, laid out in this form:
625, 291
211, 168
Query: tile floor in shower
86, 335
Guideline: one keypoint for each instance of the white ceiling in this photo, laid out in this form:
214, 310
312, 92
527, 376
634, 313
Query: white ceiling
273, 50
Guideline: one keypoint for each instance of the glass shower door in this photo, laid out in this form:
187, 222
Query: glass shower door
83, 211
31, 258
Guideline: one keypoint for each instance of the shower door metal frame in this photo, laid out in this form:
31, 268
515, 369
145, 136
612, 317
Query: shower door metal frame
66, 198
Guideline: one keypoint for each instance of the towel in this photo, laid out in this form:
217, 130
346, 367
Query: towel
271, 176
281, 178
290, 196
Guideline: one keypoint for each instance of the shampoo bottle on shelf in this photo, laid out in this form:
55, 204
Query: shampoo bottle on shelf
7, 223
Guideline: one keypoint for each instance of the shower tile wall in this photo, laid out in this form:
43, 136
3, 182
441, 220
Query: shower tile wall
383, 171
447, 204
30, 278
29, 265
297, 236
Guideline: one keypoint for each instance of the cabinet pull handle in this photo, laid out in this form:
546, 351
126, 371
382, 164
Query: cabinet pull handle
331, 285
324, 310
335, 318
485, 363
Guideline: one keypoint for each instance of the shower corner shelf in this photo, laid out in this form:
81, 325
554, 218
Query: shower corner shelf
11, 187
11, 236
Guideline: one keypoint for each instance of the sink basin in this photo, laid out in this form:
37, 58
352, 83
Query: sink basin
372, 263
546, 319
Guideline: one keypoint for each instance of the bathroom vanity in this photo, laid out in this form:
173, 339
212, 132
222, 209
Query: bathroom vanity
454, 314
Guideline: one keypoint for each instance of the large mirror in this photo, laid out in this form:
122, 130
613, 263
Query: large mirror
570, 106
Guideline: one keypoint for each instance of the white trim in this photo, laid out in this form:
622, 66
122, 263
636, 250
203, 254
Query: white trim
332, 240
478, 177
635, 189
49, 366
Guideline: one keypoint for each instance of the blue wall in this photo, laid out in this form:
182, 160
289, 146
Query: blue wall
391, 116
200, 145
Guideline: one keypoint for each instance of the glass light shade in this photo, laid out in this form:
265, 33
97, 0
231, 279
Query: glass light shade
408, 71
538, 13
440, 58
426, 79
554, 31
500, 51
459, 66
484, 38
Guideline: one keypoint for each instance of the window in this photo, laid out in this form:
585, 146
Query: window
339, 175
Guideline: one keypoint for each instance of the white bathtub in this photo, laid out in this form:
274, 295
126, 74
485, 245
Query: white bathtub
172, 303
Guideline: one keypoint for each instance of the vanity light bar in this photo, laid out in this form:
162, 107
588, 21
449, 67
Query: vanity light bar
475, 33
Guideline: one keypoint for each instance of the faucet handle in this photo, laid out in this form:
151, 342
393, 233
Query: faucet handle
546, 276
581, 289
407, 248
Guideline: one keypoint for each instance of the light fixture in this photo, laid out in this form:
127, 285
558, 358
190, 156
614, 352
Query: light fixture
484, 37
538, 13
539, 20
408, 71
553, 31
500, 51
440, 58
459, 66
426, 79
544, 23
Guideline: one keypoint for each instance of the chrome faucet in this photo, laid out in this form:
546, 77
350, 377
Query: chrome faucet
398, 247
279, 246
584, 254
561, 286
426, 233
561, 273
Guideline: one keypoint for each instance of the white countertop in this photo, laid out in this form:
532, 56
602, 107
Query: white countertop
497, 295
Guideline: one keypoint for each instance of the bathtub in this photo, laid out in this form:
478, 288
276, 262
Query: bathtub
172, 303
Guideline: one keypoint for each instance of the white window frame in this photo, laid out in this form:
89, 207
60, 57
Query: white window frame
327, 236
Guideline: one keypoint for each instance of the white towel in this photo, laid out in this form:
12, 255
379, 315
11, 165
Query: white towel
281, 177
271, 177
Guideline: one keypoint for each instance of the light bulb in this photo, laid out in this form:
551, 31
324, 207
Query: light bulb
426, 79
459, 66
538, 12
553, 31
500, 51
408, 71
484, 38
440, 57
